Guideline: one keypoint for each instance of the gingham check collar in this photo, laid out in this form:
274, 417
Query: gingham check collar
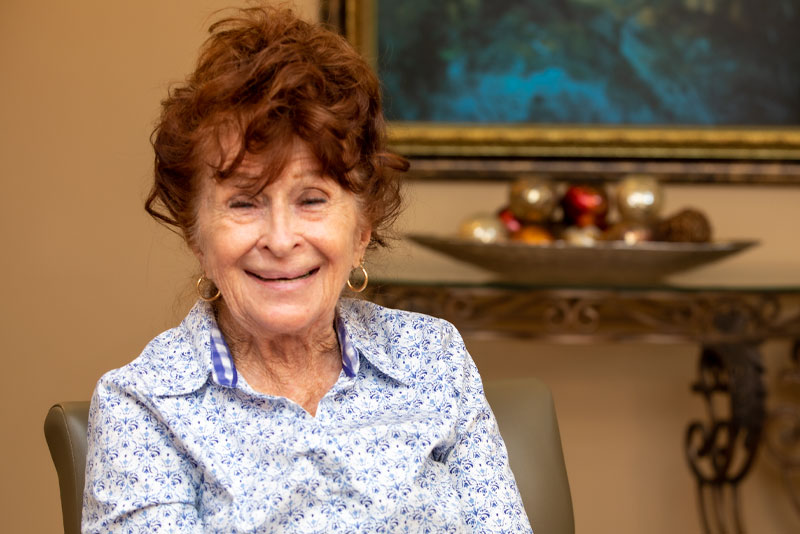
223, 370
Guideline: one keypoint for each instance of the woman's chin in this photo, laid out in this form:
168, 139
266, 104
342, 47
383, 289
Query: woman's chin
289, 320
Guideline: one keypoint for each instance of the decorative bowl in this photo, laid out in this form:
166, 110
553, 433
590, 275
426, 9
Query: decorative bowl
606, 262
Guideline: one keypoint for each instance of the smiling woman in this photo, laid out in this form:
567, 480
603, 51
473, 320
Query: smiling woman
277, 404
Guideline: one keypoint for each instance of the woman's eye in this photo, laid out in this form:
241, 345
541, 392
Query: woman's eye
241, 204
311, 201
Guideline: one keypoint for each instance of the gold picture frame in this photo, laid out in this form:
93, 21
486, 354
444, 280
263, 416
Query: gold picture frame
357, 19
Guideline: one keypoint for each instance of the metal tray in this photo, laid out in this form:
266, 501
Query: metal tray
606, 262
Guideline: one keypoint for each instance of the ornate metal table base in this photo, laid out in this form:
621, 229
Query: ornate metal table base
721, 451
728, 324
782, 433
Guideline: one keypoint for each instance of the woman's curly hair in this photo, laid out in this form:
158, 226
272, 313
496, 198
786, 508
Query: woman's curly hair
266, 78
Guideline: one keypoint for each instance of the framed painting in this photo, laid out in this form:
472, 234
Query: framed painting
702, 80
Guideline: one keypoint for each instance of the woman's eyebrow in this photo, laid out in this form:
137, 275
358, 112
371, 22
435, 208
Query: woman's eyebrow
245, 181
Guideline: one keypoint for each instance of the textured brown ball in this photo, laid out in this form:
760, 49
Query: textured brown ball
687, 226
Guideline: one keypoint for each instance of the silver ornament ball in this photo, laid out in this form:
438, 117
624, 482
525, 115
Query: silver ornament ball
639, 198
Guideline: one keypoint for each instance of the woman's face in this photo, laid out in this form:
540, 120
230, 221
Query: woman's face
280, 257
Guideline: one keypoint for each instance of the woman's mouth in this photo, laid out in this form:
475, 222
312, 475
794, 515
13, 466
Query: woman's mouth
284, 278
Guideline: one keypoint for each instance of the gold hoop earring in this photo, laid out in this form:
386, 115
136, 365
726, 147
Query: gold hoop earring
200, 292
363, 285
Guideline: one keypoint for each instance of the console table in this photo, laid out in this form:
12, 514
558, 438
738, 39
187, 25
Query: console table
728, 323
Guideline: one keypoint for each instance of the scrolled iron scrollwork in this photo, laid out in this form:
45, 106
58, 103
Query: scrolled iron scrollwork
782, 430
721, 450
590, 314
572, 315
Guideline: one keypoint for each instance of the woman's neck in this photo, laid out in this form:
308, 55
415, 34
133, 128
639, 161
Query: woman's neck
301, 367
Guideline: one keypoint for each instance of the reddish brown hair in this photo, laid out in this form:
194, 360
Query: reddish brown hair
267, 78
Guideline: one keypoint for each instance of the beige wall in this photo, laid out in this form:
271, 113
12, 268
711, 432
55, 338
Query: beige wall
89, 279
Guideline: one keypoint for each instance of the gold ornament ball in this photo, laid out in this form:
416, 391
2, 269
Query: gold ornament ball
484, 228
532, 199
639, 198
533, 234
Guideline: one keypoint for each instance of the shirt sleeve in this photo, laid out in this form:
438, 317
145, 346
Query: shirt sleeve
490, 500
136, 478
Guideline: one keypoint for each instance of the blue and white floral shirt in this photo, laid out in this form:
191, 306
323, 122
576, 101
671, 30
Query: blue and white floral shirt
404, 441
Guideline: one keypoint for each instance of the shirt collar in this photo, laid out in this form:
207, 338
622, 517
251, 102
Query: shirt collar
223, 368
373, 333
200, 350
350, 360
178, 361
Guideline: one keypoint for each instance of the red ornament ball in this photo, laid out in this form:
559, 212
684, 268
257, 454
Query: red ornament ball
585, 205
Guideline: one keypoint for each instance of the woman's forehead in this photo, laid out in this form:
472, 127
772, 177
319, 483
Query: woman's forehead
259, 169
300, 159
294, 158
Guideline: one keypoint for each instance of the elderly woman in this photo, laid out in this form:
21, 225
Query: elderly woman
277, 405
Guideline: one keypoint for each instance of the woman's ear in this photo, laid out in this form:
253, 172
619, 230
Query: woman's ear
363, 243
196, 250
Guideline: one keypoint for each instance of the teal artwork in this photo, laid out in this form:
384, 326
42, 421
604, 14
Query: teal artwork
621, 62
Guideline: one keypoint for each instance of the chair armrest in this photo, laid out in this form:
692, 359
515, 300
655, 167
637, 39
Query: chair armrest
65, 432
526, 417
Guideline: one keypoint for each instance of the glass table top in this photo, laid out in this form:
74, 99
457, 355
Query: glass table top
738, 287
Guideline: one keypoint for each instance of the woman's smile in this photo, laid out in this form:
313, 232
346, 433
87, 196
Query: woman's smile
283, 277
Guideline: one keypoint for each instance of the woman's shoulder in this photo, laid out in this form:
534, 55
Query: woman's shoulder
400, 338
374, 317
171, 363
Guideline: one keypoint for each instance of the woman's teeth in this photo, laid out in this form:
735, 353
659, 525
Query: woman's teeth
309, 273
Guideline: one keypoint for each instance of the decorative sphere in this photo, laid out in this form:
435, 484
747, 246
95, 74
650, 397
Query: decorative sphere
508, 219
532, 199
584, 236
483, 228
630, 232
688, 225
639, 198
533, 234
585, 205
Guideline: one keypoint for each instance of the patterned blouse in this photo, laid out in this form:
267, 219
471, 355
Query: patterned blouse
403, 442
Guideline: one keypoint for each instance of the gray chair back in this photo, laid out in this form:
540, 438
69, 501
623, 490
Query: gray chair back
65, 432
527, 419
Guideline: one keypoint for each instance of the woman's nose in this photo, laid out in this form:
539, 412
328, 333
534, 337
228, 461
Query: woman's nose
279, 231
